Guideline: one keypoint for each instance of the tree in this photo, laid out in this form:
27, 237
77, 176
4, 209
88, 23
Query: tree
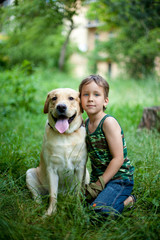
34, 30
136, 24
71, 8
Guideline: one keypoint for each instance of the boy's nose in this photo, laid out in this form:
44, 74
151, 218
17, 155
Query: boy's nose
90, 98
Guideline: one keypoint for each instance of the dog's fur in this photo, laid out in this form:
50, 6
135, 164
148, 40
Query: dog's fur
64, 155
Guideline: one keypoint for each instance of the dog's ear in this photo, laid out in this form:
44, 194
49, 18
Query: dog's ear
81, 109
46, 103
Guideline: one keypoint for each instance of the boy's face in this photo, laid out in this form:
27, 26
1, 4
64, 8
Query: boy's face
92, 98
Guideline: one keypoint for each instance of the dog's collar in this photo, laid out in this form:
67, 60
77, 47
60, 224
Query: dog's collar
50, 125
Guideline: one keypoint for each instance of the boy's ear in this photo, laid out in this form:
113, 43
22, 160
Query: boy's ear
106, 101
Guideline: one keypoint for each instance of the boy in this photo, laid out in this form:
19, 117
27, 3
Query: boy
112, 174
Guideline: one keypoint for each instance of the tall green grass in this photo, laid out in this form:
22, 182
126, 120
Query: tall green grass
22, 127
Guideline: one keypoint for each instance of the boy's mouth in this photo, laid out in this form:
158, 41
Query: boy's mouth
90, 105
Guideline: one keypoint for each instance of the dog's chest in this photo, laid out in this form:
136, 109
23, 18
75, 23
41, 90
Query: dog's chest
65, 151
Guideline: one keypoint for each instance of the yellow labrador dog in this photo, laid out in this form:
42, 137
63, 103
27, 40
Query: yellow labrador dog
63, 156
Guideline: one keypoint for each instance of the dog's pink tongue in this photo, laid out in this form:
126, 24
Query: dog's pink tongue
62, 125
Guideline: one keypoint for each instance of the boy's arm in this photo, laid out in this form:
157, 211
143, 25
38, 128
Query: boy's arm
113, 136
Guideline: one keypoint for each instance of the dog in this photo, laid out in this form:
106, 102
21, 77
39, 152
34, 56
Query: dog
64, 155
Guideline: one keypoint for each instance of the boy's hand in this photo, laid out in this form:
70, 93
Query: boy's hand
93, 189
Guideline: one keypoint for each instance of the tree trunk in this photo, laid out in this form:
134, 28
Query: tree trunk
64, 48
150, 118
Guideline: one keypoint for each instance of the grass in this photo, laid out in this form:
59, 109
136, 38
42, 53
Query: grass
22, 128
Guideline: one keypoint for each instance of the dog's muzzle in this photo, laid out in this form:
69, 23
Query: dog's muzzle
61, 120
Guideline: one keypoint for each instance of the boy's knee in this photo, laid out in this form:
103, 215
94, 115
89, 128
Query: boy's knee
103, 209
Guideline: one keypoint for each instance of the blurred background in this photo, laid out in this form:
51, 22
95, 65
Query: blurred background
106, 37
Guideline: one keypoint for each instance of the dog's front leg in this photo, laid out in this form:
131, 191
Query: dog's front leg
82, 176
53, 190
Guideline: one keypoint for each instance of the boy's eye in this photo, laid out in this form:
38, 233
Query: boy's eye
85, 94
97, 94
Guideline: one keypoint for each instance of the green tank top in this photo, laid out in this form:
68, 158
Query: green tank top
100, 156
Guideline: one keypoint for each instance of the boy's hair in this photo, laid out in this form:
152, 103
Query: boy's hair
98, 80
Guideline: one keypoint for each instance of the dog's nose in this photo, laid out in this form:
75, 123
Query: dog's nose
61, 108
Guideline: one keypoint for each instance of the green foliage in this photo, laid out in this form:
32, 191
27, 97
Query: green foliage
22, 91
36, 31
21, 136
136, 29
18, 89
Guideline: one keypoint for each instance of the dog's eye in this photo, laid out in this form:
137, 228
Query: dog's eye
54, 98
71, 98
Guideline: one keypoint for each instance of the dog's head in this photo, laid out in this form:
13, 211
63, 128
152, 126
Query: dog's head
64, 111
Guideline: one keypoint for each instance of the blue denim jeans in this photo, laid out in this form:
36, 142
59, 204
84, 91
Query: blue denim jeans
111, 199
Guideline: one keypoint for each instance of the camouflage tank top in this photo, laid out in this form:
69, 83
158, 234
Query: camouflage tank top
100, 156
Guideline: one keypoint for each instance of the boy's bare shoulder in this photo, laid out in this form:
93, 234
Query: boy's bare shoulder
110, 123
110, 120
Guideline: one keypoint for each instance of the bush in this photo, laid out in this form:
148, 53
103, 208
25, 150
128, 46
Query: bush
18, 88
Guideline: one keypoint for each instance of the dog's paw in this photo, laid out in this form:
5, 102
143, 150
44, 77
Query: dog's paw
51, 211
38, 200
